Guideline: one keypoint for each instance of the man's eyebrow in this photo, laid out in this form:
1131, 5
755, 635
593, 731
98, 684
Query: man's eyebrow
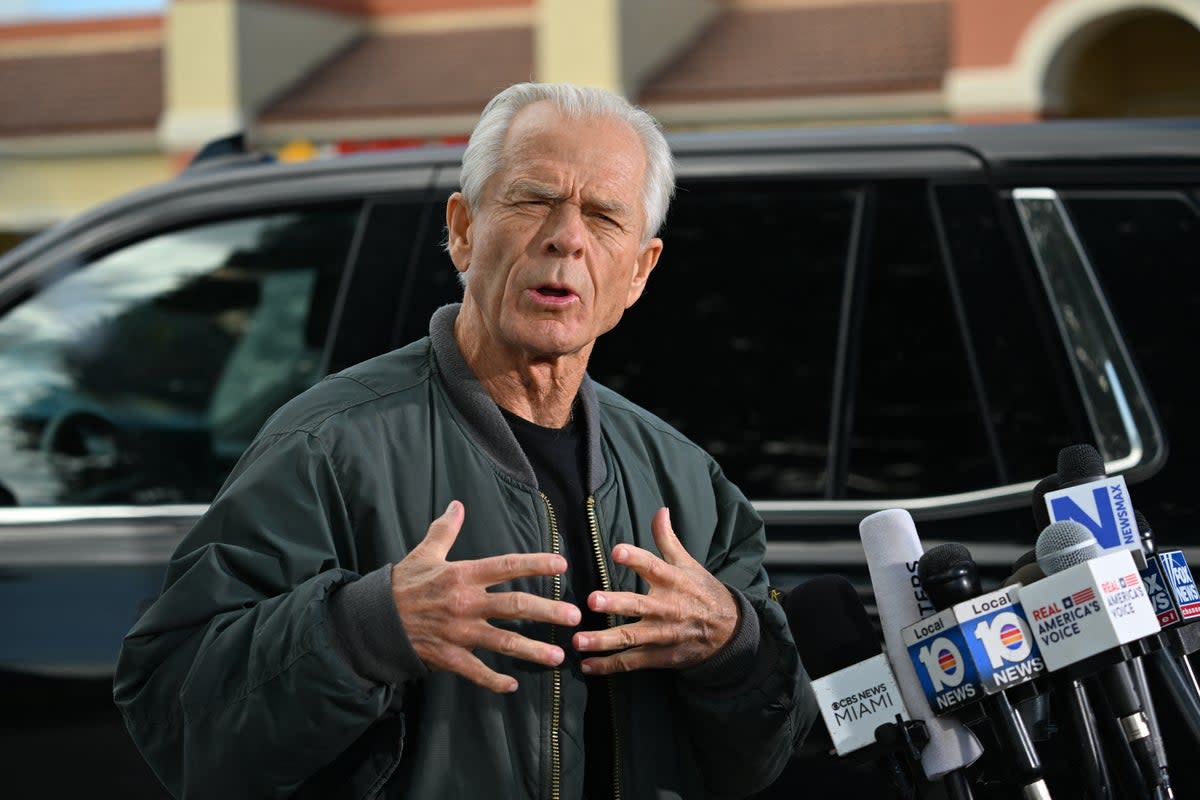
542, 191
607, 206
523, 188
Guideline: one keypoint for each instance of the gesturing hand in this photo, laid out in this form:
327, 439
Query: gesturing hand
445, 605
685, 617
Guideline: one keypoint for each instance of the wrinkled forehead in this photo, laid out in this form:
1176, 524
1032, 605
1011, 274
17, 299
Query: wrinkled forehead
601, 143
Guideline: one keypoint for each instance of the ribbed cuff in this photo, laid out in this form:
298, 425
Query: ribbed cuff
733, 666
369, 632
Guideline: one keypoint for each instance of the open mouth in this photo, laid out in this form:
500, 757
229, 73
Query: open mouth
553, 291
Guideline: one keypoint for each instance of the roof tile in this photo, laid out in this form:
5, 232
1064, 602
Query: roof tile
836, 49
411, 74
79, 93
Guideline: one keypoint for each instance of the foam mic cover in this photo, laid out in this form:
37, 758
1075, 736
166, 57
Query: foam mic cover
893, 551
837, 632
1041, 516
1025, 575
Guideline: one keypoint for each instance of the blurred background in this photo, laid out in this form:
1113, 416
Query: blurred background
102, 97
99, 97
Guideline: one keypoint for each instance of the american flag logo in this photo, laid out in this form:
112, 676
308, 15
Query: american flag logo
1084, 596
1129, 581
947, 662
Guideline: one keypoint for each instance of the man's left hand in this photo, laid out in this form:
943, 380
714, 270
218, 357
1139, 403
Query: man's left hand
686, 617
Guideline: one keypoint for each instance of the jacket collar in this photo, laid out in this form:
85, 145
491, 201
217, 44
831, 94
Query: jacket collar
483, 417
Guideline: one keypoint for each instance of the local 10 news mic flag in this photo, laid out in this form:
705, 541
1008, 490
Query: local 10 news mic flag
973, 650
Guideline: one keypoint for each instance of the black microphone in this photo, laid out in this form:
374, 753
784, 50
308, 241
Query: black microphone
856, 691
1041, 517
1066, 544
950, 576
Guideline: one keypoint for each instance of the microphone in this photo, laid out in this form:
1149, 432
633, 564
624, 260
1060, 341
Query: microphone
1168, 580
892, 551
1088, 605
1041, 517
856, 691
1072, 694
996, 652
1171, 667
1024, 575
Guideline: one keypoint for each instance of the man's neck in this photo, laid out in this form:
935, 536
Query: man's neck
541, 390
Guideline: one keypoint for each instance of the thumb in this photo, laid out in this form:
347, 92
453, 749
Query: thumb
443, 531
668, 543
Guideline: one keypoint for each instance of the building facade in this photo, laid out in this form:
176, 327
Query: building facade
94, 108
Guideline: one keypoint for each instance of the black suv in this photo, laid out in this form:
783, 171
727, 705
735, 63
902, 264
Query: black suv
848, 320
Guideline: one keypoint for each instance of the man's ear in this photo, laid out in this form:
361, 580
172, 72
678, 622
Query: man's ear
458, 228
647, 259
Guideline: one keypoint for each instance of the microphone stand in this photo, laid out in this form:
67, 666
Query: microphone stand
897, 752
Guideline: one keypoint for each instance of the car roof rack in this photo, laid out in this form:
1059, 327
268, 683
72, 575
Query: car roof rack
227, 151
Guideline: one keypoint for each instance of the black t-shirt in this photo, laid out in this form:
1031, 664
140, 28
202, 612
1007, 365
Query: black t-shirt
558, 457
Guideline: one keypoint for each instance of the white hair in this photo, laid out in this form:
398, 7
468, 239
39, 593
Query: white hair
484, 152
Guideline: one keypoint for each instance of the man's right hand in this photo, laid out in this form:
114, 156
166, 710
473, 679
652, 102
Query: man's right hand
445, 605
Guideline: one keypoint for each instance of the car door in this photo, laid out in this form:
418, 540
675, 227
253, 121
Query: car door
140, 354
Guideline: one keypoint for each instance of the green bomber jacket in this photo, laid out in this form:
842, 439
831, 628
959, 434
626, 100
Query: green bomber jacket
274, 662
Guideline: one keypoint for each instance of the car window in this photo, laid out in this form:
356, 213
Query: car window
918, 428
1032, 400
1145, 248
734, 340
140, 377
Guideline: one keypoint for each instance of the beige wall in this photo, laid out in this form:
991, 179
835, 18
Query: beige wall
36, 191
614, 44
224, 59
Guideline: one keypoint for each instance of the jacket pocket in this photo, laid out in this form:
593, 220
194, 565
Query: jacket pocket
363, 769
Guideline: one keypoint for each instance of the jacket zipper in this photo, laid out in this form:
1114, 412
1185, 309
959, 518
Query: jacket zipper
611, 621
556, 675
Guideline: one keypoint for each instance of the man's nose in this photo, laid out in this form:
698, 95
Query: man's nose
565, 233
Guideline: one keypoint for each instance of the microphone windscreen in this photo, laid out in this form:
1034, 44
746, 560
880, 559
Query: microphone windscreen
893, 550
1028, 557
1025, 575
830, 625
1065, 544
1041, 516
1079, 463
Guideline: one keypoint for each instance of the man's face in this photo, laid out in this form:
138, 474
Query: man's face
554, 253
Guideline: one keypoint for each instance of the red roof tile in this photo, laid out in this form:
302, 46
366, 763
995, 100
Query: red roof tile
411, 74
801, 51
83, 92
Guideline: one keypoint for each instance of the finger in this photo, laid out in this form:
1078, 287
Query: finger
625, 604
462, 662
625, 637
649, 566
522, 605
497, 569
514, 645
443, 531
630, 660
668, 543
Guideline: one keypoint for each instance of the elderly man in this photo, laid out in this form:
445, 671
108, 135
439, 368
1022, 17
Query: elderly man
462, 569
